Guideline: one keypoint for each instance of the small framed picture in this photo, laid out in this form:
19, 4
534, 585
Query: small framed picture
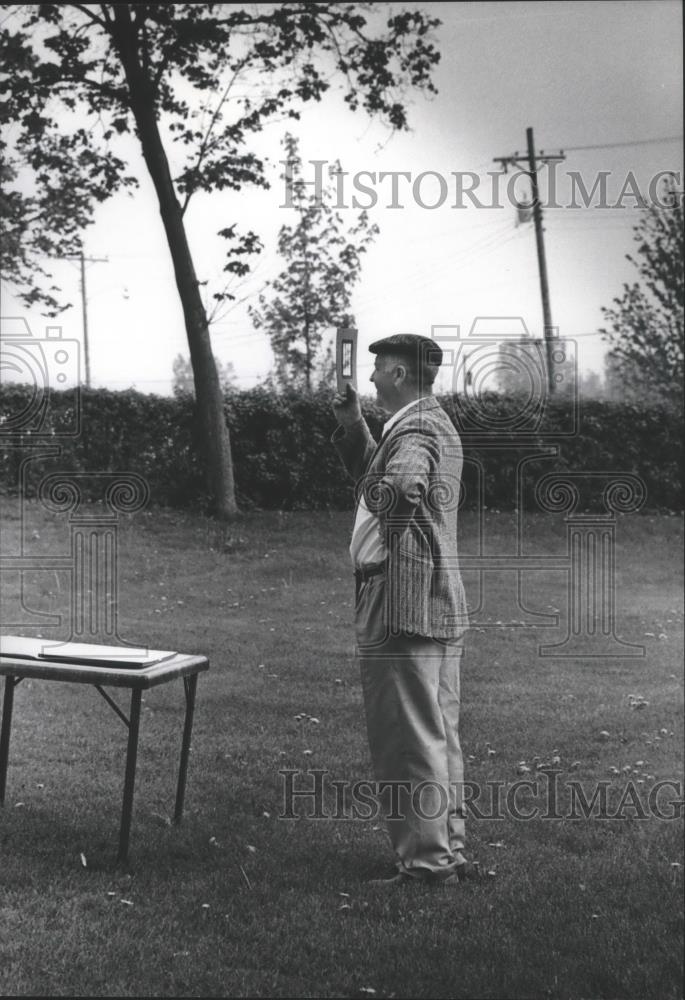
346, 357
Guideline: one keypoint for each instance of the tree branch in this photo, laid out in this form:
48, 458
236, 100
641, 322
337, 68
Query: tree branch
341, 61
106, 16
204, 145
161, 66
102, 88
92, 17
140, 28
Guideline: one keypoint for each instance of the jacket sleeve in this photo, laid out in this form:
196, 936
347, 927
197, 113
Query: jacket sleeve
409, 469
355, 445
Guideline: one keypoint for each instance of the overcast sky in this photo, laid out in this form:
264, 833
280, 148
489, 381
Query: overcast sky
603, 75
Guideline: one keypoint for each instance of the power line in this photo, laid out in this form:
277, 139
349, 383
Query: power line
444, 267
627, 142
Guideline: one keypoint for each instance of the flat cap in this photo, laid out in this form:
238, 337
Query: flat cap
423, 349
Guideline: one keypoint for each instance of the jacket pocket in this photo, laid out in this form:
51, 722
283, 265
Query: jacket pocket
371, 616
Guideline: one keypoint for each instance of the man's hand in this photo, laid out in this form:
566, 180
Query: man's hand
346, 407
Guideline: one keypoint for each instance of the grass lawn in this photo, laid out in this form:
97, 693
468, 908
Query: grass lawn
237, 902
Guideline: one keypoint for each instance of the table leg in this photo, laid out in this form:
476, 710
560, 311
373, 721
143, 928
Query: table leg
7, 703
190, 686
129, 780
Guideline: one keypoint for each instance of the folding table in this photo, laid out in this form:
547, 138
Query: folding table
16, 668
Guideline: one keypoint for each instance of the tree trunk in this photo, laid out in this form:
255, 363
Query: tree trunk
208, 393
307, 323
308, 355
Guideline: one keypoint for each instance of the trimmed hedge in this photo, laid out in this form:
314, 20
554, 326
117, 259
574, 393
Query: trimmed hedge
284, 460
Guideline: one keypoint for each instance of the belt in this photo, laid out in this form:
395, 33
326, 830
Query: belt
363, 574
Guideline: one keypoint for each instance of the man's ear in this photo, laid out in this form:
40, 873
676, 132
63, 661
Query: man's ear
401, 373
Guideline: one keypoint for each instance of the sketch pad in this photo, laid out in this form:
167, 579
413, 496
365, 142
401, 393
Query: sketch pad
87, 654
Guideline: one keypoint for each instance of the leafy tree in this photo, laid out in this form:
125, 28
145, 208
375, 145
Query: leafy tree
192, 82
313, 293
184, 384
590, 385
645, 326
623, 380
522, 368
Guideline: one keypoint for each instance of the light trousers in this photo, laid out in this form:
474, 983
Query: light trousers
411, 696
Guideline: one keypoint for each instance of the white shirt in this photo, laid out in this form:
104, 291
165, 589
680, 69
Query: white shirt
367, 546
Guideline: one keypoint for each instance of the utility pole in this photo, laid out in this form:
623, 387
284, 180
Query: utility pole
532, 172
83, 260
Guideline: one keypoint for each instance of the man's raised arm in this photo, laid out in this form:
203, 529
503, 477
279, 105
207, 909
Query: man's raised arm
352, 438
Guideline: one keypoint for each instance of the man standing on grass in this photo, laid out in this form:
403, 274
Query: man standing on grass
410, 612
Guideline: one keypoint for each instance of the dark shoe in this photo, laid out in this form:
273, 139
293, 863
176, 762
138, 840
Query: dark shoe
393, 881
461, 872
467, 870
400, 879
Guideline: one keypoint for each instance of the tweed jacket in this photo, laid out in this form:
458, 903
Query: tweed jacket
411, 481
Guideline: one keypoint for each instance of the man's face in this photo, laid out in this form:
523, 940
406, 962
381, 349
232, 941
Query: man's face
387, 377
